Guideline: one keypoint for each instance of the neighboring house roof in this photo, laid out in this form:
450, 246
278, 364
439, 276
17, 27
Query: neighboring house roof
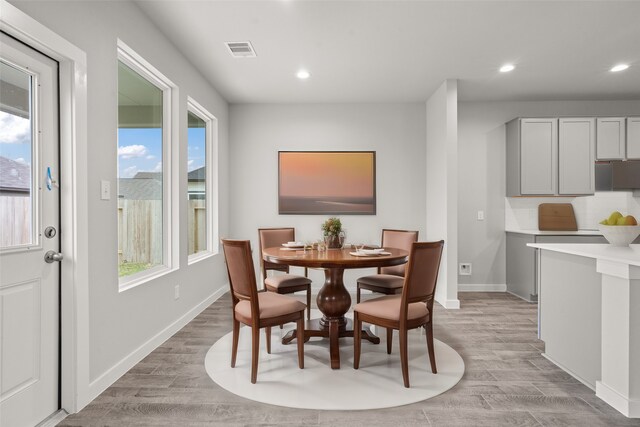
197, 174
14, 176
148, 185
148, 175
139, 189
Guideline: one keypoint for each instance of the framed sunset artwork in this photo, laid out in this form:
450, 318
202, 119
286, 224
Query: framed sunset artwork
327, 182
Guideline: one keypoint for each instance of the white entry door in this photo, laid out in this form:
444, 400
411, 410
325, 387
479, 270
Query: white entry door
29, 229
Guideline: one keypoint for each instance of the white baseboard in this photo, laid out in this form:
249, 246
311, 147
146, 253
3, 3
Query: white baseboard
522, 298
482, 287
54, 419
450, 304
628, 407
105, 380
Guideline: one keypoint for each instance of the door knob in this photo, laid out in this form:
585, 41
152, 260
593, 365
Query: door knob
52, 256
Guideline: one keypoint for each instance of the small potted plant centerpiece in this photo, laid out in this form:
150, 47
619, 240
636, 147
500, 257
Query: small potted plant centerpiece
333, 233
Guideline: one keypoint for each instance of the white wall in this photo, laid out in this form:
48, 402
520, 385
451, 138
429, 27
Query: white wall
442, 188
395, 131
481, 139
120, 323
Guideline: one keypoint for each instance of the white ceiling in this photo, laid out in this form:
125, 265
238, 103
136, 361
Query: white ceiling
401, 51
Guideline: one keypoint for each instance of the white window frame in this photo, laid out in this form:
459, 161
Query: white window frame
133, 60
36, 165
211, 179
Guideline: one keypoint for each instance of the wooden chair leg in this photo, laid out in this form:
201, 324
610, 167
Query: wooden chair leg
300, 339
255, 350
267, 332
432, 354
234, 345
389, 339
358, 293
357, 328
309, 303
404, 359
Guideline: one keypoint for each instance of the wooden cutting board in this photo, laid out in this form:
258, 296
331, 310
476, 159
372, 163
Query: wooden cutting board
556, 217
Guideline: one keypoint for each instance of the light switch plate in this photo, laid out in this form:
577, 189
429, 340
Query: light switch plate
105, 190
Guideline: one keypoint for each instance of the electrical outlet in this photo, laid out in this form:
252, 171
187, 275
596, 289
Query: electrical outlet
465, 269
176, 292
480, 215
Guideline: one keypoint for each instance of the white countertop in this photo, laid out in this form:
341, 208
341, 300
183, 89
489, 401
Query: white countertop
622, 254
537, 232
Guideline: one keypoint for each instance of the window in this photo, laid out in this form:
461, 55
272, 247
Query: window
17, 149
144, 175
201, 152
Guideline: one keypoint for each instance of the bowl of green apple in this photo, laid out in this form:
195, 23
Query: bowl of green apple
619, 230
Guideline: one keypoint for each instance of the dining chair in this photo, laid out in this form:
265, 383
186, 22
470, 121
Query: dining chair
282, 283
412, 309
257, 309
389, 280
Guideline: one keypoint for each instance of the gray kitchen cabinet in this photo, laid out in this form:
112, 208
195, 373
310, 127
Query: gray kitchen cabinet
523, 262
610, 138
545, 161
633, 138
532, 157
576, 156
521, 266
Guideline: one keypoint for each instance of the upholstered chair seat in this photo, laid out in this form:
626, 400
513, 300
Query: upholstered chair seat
271, 306
284, 281
384, 281
388, 308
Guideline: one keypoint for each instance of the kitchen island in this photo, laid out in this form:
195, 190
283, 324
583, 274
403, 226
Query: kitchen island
589, 317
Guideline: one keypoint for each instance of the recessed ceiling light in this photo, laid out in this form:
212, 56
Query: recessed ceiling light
506, 68
303, 74
619, 67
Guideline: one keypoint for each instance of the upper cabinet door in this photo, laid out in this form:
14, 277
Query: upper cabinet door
610, 141
633, 137
539, 147
576, 147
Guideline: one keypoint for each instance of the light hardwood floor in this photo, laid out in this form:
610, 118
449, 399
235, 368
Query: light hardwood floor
507, 382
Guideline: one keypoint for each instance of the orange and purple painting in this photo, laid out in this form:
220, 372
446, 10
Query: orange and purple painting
327, 182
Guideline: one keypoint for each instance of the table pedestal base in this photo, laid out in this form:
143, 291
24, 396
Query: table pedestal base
332, 329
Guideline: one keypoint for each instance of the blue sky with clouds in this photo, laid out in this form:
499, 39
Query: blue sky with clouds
138, 149
15, 138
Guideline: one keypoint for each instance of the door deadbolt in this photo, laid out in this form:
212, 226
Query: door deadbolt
50, 232
52, 256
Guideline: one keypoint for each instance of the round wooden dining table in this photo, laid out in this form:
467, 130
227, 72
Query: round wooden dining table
333, 299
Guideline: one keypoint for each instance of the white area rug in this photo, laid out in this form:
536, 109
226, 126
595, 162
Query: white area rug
376, 384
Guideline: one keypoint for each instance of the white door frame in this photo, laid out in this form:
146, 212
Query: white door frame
73, 199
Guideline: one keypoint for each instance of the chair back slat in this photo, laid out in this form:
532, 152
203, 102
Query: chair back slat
400, 239
422, 272
242, 277
271, 237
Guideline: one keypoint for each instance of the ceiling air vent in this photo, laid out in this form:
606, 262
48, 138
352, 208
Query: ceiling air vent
241, 49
